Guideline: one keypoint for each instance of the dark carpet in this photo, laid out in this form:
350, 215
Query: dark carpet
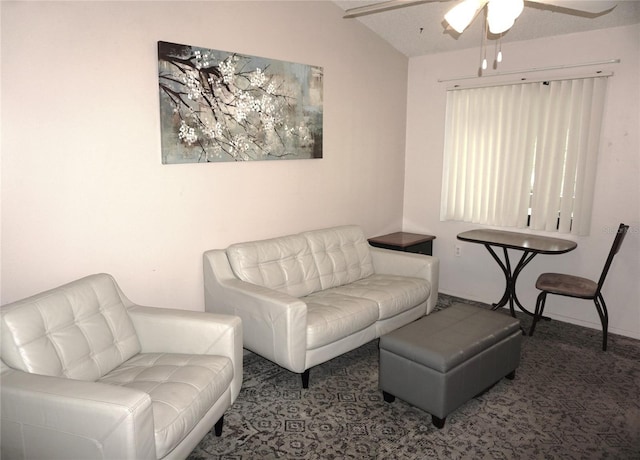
569, 400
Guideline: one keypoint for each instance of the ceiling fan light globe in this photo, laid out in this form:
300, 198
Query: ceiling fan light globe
460, 16
498, 26
501, 14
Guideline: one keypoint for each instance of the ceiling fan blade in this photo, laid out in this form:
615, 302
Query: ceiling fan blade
588, 6
382, 6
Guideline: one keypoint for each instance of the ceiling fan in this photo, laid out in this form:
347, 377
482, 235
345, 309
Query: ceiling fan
501, 14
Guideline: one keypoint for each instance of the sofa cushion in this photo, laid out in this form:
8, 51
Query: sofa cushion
332, 316
80, 330
393, 294
341, 254
284, 264
182, 389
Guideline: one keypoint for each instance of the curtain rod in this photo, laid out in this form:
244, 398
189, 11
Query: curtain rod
522, 81
536, 69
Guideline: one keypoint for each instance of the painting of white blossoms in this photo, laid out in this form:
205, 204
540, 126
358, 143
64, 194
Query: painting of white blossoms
221, 106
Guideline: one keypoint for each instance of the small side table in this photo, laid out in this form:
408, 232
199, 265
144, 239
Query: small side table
403, 241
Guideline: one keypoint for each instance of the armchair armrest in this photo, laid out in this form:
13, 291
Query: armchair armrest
275, 323
165, 330
388, 261
51, 417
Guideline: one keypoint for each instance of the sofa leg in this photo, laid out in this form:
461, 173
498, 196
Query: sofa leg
218, 426
305, 379
438, 422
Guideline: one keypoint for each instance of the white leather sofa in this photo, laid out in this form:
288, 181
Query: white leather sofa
86, 374
307, 298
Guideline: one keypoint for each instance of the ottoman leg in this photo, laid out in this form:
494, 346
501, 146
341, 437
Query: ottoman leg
438, 422
388, 397
511, 375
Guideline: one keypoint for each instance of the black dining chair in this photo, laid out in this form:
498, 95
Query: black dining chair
578, 287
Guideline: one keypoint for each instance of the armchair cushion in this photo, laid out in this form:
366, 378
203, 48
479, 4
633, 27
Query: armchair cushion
182, 389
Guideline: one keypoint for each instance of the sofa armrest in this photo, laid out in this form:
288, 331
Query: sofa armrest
390, 262
275, 323
51, 417
165, 330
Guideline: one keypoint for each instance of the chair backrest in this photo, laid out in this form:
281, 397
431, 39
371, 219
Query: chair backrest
80, 330
617, 242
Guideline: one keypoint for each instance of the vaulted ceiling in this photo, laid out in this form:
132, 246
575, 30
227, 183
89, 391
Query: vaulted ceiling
420, 29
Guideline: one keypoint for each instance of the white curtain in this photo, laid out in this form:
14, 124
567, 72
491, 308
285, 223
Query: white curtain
523, 146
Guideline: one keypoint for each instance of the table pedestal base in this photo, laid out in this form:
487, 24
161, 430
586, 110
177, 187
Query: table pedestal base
511, 277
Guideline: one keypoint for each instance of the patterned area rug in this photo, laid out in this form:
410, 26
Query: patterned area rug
569, 400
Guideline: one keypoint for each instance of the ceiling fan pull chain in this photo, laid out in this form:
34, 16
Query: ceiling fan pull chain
483, 46
499, 52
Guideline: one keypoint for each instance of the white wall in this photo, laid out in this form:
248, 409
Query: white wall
83, 187
474, 274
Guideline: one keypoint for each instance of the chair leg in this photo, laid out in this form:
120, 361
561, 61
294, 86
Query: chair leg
604, 318
542, 298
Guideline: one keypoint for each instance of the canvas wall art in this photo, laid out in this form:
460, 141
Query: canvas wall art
220, 106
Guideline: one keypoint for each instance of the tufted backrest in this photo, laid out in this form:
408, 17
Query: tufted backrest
341, 255
304, 263
80, 330
284, 264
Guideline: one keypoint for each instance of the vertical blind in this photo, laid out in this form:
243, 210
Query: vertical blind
523, 154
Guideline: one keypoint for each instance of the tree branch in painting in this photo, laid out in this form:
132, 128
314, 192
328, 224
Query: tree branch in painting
229, 107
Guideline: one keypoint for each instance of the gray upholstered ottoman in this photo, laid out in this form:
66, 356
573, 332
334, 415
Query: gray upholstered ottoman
442, 360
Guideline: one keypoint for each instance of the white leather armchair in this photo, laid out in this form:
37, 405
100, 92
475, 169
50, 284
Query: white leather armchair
87, 374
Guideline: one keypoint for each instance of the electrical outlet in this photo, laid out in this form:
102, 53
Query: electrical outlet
457, 250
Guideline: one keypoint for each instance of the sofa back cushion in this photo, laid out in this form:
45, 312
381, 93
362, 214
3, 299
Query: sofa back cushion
341, 254
284, 264
304, 263
80, 330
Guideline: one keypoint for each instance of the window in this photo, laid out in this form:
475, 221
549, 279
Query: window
523, 154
